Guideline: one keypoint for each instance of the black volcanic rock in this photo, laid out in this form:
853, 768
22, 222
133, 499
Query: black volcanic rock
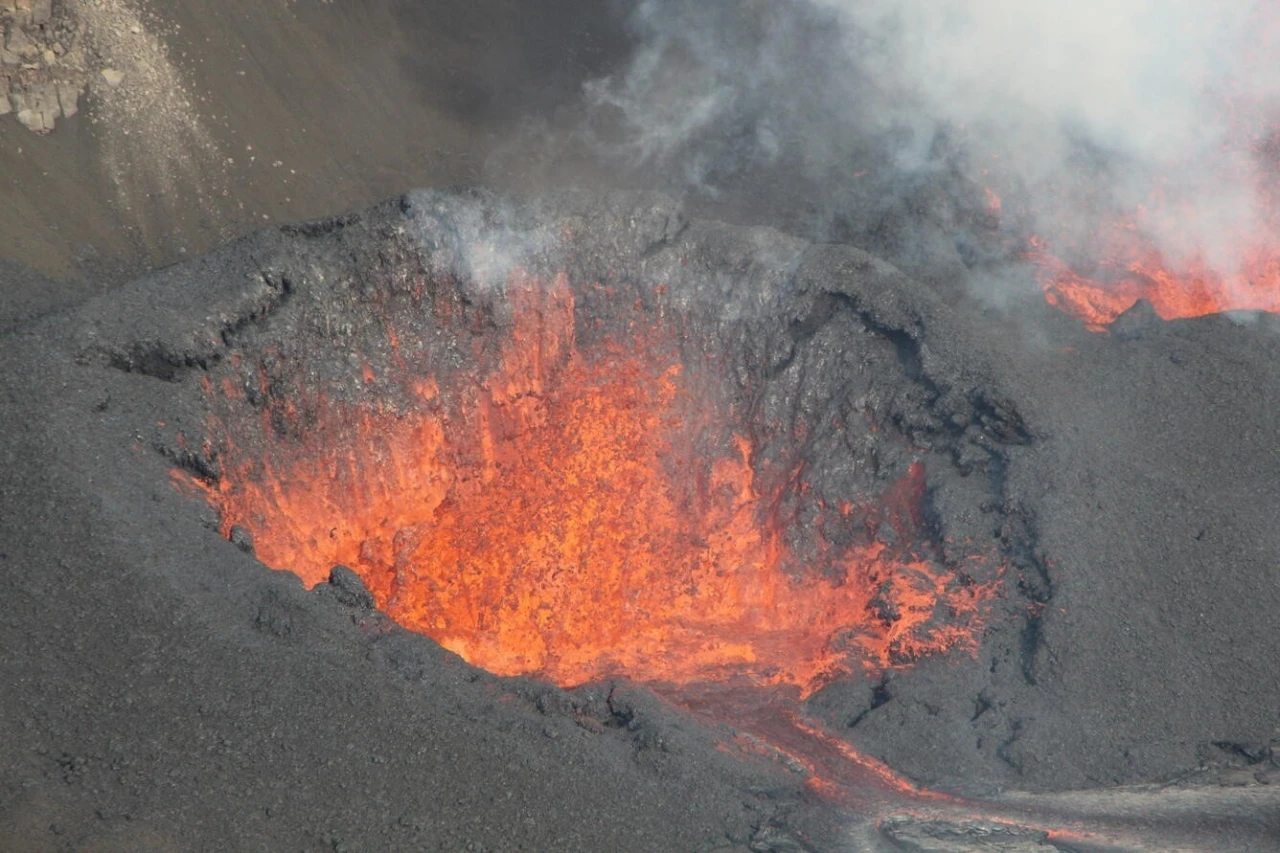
349, 589
1136, 321
1123, 490
917, 836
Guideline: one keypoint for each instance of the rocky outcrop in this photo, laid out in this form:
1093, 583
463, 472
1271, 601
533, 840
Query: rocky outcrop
28, 12
44, 62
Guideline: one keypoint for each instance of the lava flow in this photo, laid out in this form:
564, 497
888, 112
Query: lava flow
577, 510
574, 513
1206, 237
1132, 269
1126, 262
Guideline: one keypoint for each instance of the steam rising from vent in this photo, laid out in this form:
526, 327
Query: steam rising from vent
479, 248
1135, 128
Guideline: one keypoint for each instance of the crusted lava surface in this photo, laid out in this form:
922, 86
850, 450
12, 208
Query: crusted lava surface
997, 550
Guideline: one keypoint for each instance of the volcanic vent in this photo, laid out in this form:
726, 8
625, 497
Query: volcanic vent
580, 447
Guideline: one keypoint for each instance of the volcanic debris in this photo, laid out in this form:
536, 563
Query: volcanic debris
45, 63
832, 358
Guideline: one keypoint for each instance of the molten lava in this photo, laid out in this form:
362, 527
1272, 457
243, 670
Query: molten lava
574, 512
1201, 246
1131, 272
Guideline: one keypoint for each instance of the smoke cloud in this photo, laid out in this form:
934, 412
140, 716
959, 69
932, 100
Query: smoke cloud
910, 125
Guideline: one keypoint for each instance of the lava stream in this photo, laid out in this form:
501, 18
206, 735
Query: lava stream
576, 512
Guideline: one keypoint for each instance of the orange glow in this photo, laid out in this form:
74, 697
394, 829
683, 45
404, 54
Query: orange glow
1179, 275
576, 512
1128, 274
994, 203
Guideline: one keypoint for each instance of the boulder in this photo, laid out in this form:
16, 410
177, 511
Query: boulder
18, 42
38, 108
69, 98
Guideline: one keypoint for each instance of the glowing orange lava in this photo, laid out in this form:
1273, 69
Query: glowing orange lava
1177, 273
575, 512
1135, 272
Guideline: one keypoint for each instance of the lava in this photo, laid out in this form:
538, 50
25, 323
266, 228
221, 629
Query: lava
1135, 270
576, 512
1205, 237
583, 509
1130, 256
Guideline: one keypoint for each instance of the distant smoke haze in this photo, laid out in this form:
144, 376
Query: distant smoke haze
1080, 111
1137, 76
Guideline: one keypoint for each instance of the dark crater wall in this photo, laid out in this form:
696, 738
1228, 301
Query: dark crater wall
829, 388
1126, 483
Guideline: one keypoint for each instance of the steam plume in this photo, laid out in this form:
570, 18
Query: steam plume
1070, 112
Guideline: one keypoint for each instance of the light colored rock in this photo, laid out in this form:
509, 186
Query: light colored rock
69, 98
112, 76
37, 108
74, 58
32, 120
9, 58
49, 57
5, 109
20, 9
938, 836
41, 11
20, 43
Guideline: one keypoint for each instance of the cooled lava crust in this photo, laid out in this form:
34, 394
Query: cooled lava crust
997, 550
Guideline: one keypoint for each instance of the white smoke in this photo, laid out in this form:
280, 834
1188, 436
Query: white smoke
1131, 75
1087, 107
697, 88
1156, 84
480, 241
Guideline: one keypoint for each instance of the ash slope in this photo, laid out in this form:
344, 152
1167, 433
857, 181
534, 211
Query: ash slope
164, 691
1144, 514
170, 692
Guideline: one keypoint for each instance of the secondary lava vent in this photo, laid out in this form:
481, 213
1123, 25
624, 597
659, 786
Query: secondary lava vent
577, 476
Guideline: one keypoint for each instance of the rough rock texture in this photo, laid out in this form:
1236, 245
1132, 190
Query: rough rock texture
170, 692
939, 837
203, 121
44, 62
1145, 505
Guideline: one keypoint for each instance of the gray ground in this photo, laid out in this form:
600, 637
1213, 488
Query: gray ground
171, 692
165, 692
